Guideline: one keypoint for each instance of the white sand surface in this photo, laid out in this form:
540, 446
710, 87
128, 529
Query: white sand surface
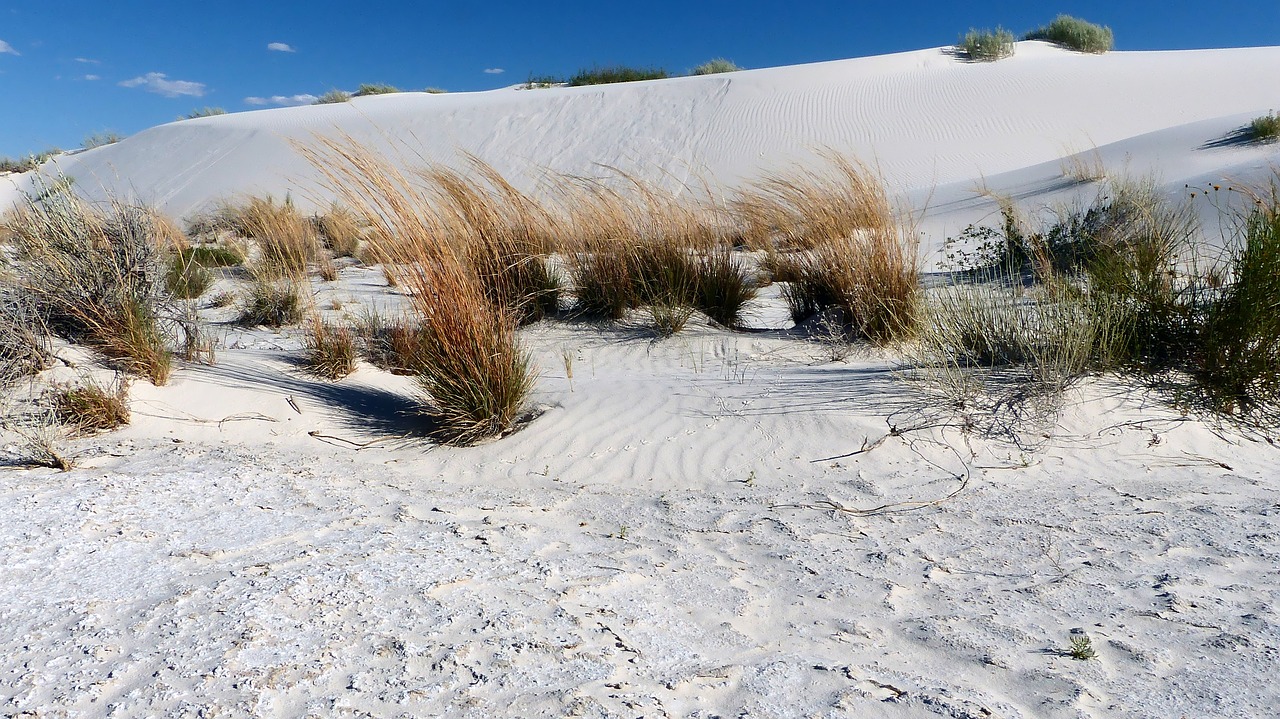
687, 527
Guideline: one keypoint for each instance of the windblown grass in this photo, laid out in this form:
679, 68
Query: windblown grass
330, 349
475, 376
90, 406
987, 45
287, 242
340, 230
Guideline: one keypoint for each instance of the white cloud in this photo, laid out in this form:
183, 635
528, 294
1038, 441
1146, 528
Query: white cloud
160, 84
7, 48
88, 61
92, 77
281, 100
280, 47
494, 70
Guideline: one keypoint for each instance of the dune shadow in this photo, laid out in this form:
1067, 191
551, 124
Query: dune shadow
1238, 137
355, 405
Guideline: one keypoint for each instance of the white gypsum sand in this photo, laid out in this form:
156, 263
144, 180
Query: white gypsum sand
688, 527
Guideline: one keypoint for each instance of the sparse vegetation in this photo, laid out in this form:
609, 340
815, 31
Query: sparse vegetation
24, 343
330, 350
1265, 128
377, 88
715, 66
340, 230
1081, 648
211, 256
286, 240
185, 279
542, 82
90, 406
203, 112
1076, 34
271, 303
98, 139
332, 97
28, 163
615, 73
436, 91
987, 45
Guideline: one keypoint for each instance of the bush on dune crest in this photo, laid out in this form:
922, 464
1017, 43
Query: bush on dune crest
1075, 34
987, 45
1265, 128
715, 67
615, 73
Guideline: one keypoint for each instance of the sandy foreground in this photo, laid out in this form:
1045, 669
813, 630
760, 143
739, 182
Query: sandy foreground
717, 524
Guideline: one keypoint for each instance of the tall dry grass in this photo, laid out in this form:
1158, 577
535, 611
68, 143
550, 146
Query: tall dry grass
475, 376
849, 253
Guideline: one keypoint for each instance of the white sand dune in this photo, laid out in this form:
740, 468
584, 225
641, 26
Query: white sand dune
687, 527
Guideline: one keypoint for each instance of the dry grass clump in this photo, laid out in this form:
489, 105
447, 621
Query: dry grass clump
286, 240
475, 376
394, 345
330, 350
96, 276
340, 231
852, 257
90, 406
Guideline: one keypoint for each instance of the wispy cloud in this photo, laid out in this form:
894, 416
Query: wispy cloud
6, 48
281, 100
160, 84
88, 61
494, 70
280, 47
92, 77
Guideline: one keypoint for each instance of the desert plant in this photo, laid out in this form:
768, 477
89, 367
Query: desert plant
340, 230
98, 139
987, 45
286, 240
203, 112
392, 345
24, 343
28, 163
97, 276
1076, 34
1264, 128
615, 73
1081, 648
853, 255
330, 349
668, 316
271, 303
723, 287
332, 97
542, 82
211, 256
715, 66
185, 279
474, 374
435, 91
376, 88
90, 406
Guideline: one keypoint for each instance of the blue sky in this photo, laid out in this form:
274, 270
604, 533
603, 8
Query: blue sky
68, 69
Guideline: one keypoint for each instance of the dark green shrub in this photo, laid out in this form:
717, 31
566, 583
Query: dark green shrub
987, 45
1076, 34
211, 256
1265, 128
615, 73
187, 280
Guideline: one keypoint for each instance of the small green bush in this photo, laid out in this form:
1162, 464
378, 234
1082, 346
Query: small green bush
1265, 128
187, 280
332, 97
271, 304
91, 406
436, 91
987, 45
714, 67
211, 256
367, 89
1076, 34
615, 73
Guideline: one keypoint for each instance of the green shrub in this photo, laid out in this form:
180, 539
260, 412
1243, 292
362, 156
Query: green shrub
987, 45
367, 89
714, 67
1076, 34
271, 304
332, 97
436, 91
1265, 128
211, 256
330, 350
615, 73
723, 287
187, 280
